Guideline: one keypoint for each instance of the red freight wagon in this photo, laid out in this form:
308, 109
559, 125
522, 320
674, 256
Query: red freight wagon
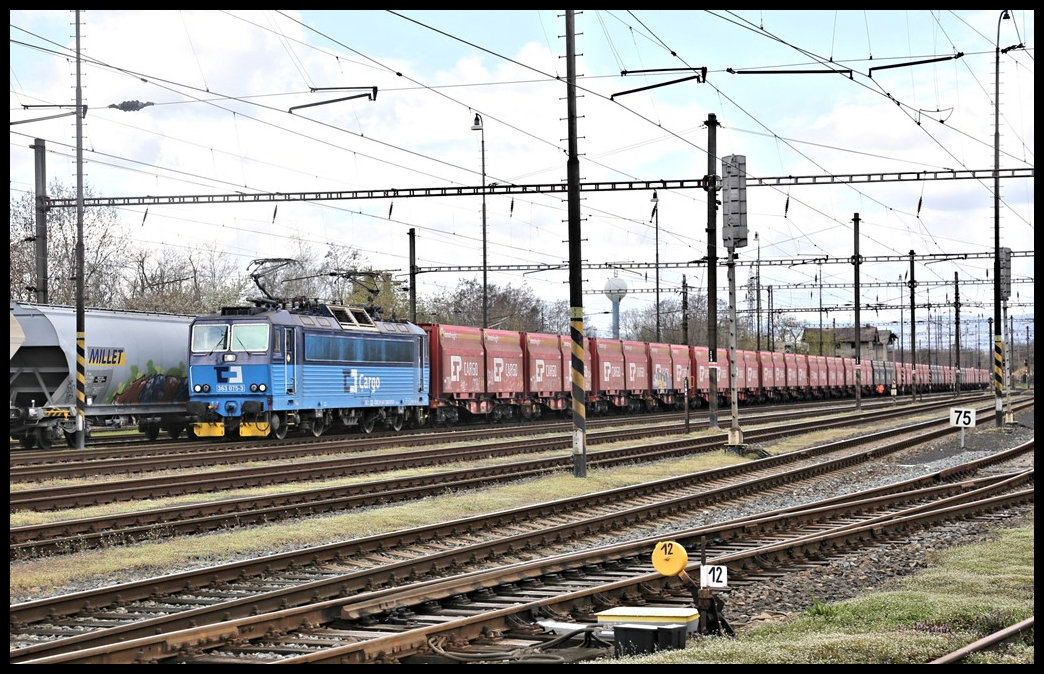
904, 371
637, 376
702, 364
768, 375
608, 383
790, 365
817, 375
681, 357
748, 373
661, 368
741, 376
866, 367
547, 382
921, 376
848, 368
665, 388
567, 364
505, 374
835, 376
742, 381
779, 370
457, 371
800, 387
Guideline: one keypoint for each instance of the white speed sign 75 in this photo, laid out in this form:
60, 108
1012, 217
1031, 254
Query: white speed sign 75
963, 417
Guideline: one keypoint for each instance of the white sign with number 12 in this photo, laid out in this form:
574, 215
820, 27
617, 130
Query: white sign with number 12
714, 576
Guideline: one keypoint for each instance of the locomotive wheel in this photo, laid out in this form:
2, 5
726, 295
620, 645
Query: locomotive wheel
279, 427
397, 422
318, 425
367, 423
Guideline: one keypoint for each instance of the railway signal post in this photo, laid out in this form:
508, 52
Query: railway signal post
733, 235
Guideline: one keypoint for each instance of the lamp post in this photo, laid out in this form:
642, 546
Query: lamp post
656, 217
819, 277
902, 356
978, 342
478, 126
929, 354
998, 344
1026, 379
757, 293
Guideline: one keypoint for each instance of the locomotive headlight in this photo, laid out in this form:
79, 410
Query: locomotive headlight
228, 357
262, 388
253, 388
197, 388
206, 388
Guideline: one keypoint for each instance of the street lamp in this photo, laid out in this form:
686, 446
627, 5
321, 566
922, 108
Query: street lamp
656, 216
477, 126
998, 353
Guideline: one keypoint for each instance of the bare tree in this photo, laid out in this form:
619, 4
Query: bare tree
105, 241
197, 282
159, 281
554, 317
510, 308
216, 278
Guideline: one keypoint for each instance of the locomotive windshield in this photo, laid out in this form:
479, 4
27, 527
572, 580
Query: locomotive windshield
250, 337
209, 337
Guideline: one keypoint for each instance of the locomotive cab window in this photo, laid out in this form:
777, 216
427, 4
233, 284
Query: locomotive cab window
250, 337
210, 337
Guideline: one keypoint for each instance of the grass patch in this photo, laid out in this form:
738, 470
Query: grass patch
968, 593
53, 575
23, 518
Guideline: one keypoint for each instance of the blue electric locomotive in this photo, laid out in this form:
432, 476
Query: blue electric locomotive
262, 370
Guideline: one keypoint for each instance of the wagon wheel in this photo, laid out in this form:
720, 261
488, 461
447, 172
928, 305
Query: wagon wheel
279, 426
368, 421
152, 432
43, 438
174, 431
28, 441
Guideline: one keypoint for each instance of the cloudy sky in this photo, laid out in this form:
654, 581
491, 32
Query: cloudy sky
222, 85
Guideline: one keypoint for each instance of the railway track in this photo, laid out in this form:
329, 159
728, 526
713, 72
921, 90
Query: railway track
986, 643
496, 612
219, 593
125, 456
85, 533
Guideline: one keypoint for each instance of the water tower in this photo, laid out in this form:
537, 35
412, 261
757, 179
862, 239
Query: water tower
615, 289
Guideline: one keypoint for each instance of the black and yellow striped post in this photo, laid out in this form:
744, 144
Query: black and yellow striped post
576, 330
81, 320
576, 303
81, 385
998, 377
